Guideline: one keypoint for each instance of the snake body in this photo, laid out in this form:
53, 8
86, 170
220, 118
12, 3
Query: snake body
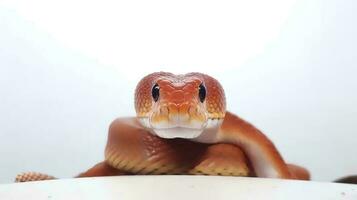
182, 127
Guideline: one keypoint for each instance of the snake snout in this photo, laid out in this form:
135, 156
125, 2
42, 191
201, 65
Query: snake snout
178, 120
183, 115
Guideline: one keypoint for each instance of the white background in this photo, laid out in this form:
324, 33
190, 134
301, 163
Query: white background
67, 69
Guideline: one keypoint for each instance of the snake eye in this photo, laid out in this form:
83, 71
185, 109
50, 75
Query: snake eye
155, 92
202, 93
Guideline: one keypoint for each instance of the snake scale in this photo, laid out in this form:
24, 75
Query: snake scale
182, 127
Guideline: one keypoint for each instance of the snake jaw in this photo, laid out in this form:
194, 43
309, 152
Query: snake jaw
205, 134
178, 132
170, 132
175, 126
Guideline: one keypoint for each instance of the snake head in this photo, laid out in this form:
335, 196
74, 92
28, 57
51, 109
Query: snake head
179, 106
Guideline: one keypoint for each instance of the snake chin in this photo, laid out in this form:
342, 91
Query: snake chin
178, 132
206, 134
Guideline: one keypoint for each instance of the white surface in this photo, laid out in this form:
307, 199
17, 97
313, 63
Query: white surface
68, 68
177, 187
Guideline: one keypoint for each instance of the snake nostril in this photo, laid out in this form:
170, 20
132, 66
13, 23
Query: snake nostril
192, 110
164, 110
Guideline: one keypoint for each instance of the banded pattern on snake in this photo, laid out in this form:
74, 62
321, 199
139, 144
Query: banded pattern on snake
182, 127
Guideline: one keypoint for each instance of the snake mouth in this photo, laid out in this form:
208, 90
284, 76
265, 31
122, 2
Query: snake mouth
178, 132
186, 132
168, 130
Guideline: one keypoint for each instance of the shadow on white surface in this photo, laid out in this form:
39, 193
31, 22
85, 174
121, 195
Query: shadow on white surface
177, 187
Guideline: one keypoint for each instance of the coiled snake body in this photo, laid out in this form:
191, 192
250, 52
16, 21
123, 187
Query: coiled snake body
182, 127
